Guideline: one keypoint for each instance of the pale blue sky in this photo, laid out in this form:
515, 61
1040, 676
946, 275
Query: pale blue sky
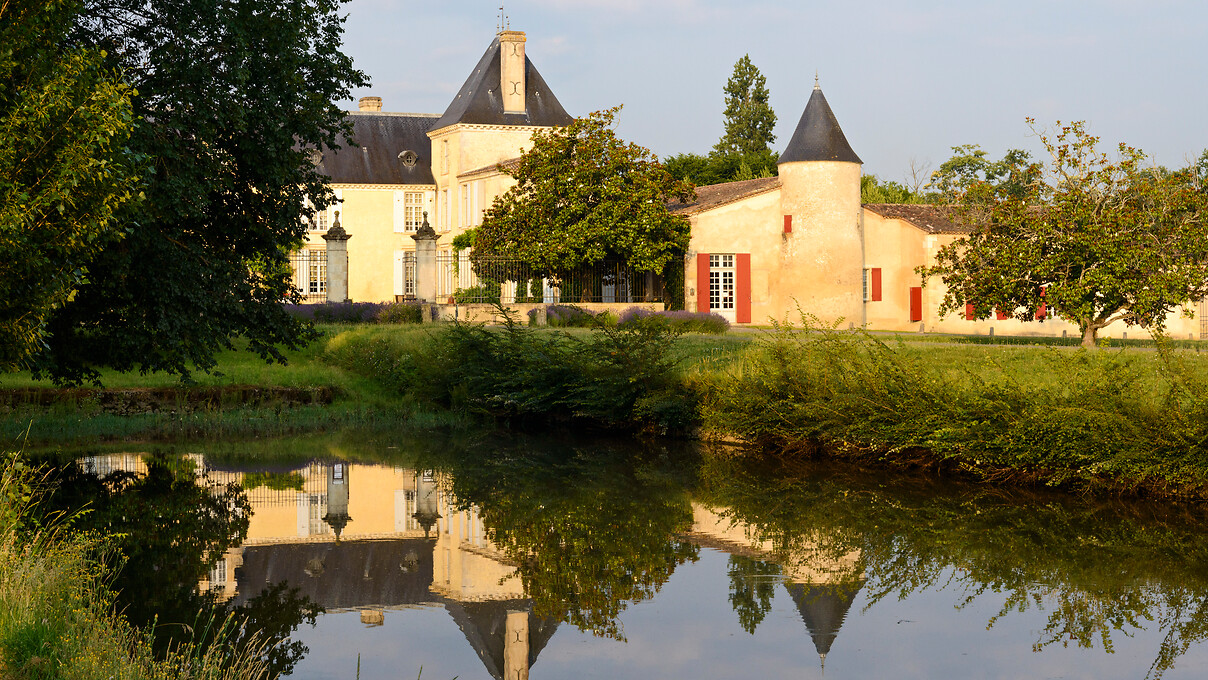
907, 80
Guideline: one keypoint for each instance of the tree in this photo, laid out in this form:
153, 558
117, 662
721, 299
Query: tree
231, 98
582, 196
65, 171
1093, 240
873, 190
749, 117
969, 166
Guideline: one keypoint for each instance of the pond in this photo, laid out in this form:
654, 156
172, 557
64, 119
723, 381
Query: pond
521, 557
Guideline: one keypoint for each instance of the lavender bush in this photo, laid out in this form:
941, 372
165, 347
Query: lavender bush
357, 312
569, 316
679, 320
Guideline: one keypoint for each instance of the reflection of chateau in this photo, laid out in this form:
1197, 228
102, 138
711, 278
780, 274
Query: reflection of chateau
822, 585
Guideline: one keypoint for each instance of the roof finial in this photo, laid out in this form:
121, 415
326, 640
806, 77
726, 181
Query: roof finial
505, 22
816, 87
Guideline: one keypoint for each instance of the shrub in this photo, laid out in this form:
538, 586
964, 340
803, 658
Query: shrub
485, 291
337, 312
678, 320
400, 312
570, 316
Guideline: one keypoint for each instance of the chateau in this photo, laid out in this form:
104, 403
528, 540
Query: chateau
760, 249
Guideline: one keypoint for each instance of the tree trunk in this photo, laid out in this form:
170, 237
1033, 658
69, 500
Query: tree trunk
1089, 335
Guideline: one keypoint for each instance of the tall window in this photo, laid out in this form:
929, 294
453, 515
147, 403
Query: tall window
413, 210
316, 275
444, 210
444, 156
721, 282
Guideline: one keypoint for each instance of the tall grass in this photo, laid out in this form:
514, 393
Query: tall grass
56, 614
1091, 420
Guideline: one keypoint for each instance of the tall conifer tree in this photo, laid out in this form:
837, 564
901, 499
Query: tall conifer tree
749, 116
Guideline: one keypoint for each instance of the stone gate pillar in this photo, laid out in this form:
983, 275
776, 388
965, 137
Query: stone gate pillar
337, 262
425, 262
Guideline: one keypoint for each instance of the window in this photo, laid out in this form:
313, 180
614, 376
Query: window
872, 284
721, 282
316, 273
445, 207
413, 210
444, 156
465, 205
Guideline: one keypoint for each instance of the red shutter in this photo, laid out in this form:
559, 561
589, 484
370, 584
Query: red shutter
875, 284
742, 288
788, 224
702, 282
916, 303
1040, 311
970, 314
1001, 315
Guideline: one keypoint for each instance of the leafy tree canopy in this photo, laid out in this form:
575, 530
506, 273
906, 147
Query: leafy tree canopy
1093, 239
970, 166
583, 195
749, 116
230, 97
873, 190
717, 168
65, 169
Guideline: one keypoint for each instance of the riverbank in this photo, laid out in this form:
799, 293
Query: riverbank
1116, 421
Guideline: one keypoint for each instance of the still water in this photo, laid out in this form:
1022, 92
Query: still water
539, 558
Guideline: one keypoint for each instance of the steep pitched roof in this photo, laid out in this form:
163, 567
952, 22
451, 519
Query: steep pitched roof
484, 625
933, 219
818, 136
382, 137
823, 609
717, 195
479, 100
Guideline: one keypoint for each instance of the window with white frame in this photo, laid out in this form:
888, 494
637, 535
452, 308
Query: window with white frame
721, 282
413, 210
316, 273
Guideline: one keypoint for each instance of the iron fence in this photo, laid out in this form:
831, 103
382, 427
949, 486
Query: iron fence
510, 281
309, 267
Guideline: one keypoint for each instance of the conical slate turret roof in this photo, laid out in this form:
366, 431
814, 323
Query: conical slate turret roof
480, 99
818, 136
485, 623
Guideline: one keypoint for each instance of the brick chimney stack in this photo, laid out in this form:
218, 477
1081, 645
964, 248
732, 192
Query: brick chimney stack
370, 104
511, 64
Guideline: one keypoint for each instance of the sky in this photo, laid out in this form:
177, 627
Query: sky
906, 80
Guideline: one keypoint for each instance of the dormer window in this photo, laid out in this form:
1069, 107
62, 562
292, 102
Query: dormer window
408, 158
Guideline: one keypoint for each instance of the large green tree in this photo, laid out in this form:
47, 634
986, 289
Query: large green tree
1093, 238
230, 98
970, 166
65, 168
749, 116
582, 196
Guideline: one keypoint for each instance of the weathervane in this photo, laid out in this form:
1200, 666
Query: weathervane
816, 87
505, 22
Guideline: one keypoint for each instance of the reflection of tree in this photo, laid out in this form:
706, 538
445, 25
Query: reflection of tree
170, 531
1096, 568
590, 530
752, 585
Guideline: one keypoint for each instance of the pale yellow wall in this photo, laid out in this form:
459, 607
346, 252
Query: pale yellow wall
465, 565
823, 270
753, 225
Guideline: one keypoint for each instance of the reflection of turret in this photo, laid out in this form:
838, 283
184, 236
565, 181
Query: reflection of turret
505, 634
426, 501
823, 608
337, 498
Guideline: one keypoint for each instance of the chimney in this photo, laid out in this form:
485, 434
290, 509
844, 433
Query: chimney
511, 76
370, 104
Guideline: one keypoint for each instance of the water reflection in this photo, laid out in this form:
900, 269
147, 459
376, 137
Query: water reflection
513, 539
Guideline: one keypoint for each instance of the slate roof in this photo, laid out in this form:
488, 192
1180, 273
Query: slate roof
382, 137
717, 195
823, 609
484, 625
933, 219
818, 136
479, 101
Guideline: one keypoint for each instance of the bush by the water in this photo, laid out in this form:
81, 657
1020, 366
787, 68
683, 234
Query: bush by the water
1089, 419
357, 312
614, 377
679, 320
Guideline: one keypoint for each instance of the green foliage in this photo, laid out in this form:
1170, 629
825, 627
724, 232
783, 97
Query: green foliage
65, 168
1093, 240
487, 290
400, 312
969, 168
231, 98
749, 117
278, 481
873, 190
583, 196
1096, 422
717, 168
